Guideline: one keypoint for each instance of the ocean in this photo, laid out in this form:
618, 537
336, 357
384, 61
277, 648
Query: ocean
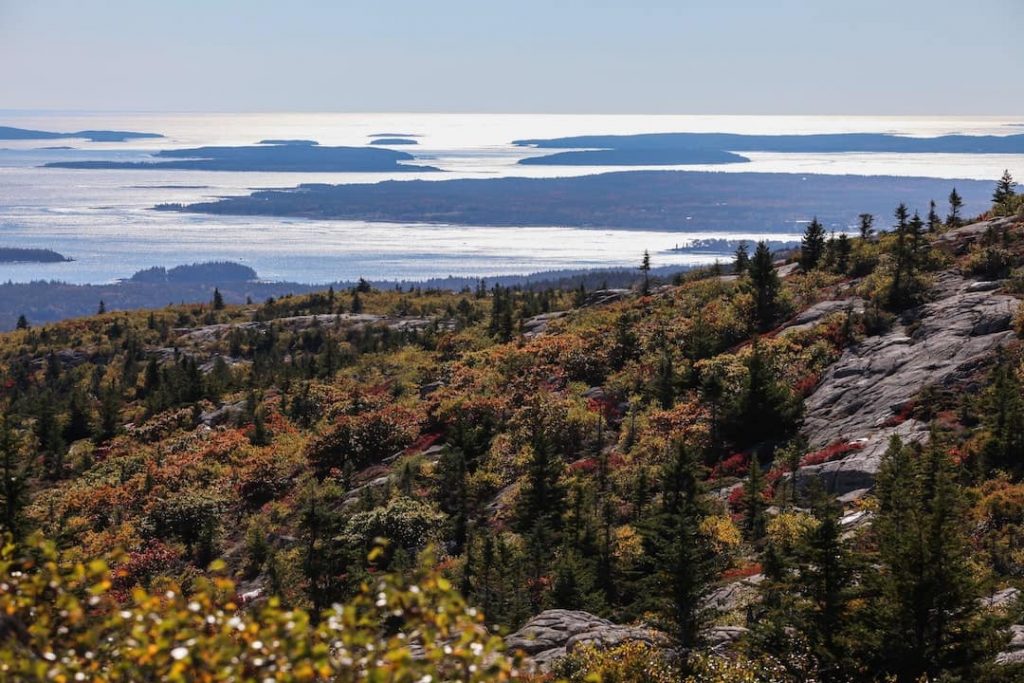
103, 218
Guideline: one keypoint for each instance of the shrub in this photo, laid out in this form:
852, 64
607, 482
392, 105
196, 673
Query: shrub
62, 623
360, 440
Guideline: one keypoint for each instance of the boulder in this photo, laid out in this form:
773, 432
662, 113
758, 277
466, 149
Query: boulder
554, 633
860, 396
735, 595
1014, 652
229, 412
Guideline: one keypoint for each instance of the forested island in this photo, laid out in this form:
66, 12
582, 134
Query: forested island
394, 141
268, 156
8, 133
19, 255
636, 157
687, 148
660, 200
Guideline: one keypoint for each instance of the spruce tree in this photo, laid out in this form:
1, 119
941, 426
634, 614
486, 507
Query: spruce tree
1004, 191
934, 222
681, 560
645, 269
218, 300
812, 246
956, 204
927, 613
825, 583
843, 251
665, 381
741, 259
14, 487
765, 282
867, 223
753, 501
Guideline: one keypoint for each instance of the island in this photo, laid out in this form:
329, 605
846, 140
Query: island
288, 157
641, 200
655, 148
19, 255
636, 157
8, 133
394, 135
394, 141
287, 142
211, 271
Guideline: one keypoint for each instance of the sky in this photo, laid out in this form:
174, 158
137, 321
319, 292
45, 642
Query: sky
872, 57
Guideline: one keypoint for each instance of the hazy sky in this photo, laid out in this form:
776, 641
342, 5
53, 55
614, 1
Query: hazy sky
576, 56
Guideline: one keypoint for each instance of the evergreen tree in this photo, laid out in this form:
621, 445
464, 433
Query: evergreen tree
843, 251
14, 487
867, 223
825, 585
22, 323
934, 222
682, 561
102, 308
1004, 419
812, 246
665, 381
927, 613
765, 282
741, 259
753, 501
956, 204
218, 300
764, 410
1004, 191
645, 269
902, 257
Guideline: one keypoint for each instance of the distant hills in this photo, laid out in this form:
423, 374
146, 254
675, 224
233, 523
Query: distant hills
702, 148
9, 133
270, 155
643, 200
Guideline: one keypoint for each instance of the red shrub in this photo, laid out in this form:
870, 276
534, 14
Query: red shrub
736, 465
835, 451
742, 572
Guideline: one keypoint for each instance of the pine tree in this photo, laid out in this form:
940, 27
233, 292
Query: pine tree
22, 323
867, 229
102, 308
825, 583
218, 300
1004, 419
682, 561
1004, 191
665, 381
645, 269
764, 409
741, 259
812, 246
956, 204
843, 251
927, 612
934, 222
901, 257
753, 501
14, 487
765, 282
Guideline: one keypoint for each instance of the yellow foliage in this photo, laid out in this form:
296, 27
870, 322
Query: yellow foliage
722, 532
63, 624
